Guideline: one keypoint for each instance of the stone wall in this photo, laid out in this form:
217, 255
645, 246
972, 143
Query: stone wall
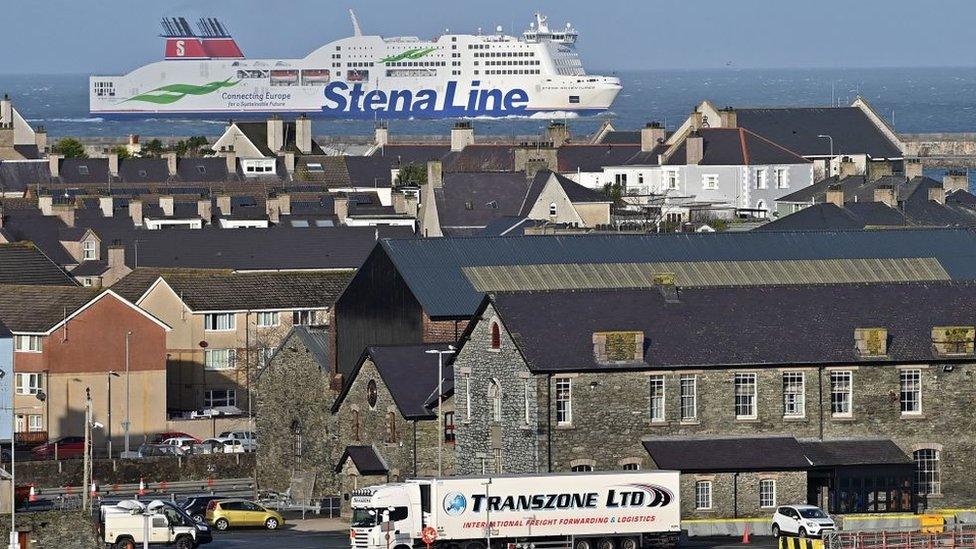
52, 474
737, 495
55, 530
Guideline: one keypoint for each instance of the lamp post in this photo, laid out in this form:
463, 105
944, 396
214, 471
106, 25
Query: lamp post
108, 427
440, 401
829, 162
125, 425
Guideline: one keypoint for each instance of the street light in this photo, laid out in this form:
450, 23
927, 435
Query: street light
440, 400
831, 139
125, 425
111, 374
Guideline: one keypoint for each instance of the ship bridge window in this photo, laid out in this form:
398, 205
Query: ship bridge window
252, 74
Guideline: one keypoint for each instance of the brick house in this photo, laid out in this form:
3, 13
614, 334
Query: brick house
604, 379
68, 340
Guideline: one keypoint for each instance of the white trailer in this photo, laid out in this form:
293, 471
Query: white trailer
618, 510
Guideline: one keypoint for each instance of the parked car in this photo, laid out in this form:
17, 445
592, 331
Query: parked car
64, 447
158, 438
150, 450
183, 443
237, 512
248, 438
222, 446
802, 521
196, 506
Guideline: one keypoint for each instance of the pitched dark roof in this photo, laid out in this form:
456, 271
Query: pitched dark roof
797, 130
832, 453
472, 200
4, 331
480, 158
716, 455
90, 268
19, 175
143, 170
204, 290
507, 225
369, 171
39, 308
592, 158
736, 147
802, 324
622, 137
29, 152
22, 263
202, 169
84, 170
433, 267
827, 216
404, 154
257, 134
366, 459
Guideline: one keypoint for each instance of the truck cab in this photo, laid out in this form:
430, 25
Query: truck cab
392, 509
125, 525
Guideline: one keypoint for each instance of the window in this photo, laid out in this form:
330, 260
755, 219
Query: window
497, 459
703, 495
219, 359
391, 430
710, 182
220, 322
582, 468
552, 209
90, 250
841, 385
268, 319
33, 423
496, 336
911, 391
781, 182
767, 493
793, 395
688, 397
928, 479
28, 344
631, 466
356, 435
449, 433
672, 179
371, 393
745, 396
621, 179
527, 404
304, 318
87, 281
495, 399
264, 355
564, 401
657, 398
467, 398
219, 397
29, 384
761, 179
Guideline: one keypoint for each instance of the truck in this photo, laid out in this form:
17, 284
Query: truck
611, 510
127, 524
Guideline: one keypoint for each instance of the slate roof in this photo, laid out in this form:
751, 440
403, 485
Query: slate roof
143, 170
4, 331
405, 153
38, 308
22, 263
703, 326
257, 134
717, 455
797, 130
432, 268
472, 200
480, 158
17, 176
201, 169
592, 158
833, 453
410, 374
736, 147
622, 137
366, 459
84, 170
369, 171
90, 268
204, 290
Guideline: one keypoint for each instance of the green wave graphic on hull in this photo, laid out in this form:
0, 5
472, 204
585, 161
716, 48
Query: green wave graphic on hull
416, 53
171, 93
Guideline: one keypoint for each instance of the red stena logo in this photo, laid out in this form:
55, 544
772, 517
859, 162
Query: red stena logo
180, 48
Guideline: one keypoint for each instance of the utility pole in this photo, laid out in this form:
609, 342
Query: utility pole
126, 424
87, 452
108, 427
440, 403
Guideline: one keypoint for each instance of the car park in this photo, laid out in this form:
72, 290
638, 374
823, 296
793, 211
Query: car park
183, 443
158, 438
196, 506
224, 514
247, 438
223, 446
802, 521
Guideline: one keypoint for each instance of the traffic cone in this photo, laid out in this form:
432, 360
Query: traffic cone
32, 496
142, 487
745, 534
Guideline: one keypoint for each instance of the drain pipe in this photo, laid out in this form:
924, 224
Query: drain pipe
735, 495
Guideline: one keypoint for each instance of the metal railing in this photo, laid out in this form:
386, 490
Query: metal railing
235, 487
961, 538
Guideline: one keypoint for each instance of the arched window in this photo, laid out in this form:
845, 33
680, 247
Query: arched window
496, 336
355, 426
552, 209
391, 434
582, 468
495, 398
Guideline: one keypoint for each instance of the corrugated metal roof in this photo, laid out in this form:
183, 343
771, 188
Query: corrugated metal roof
433, 267
517, 278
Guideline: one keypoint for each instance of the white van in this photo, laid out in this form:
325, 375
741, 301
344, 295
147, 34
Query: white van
127, 524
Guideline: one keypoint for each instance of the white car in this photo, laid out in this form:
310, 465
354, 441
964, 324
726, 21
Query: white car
183, 443
802, 520
247, 438
224, 445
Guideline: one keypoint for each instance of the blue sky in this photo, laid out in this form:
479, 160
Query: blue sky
68, 36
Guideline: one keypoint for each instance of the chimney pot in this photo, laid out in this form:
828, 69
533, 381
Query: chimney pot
835, 195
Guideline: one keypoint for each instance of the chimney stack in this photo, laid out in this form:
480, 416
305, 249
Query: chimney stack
66, 212
697, 120
276, 133
7, 110
54, 165
40, 139
135, 211
284, 203
290, 162
166, 204
694, 148
116, 256
113, 164
399, 203
955, 180
230, 157
435, 176
205, 209
462, 135
381, 134
223, 204
303, 134
341, 208
45, 203
652, 135
728, 118
913, 168
557, 133
937, 194
107, 205
835, 195
885, 193
7, 140
170, 163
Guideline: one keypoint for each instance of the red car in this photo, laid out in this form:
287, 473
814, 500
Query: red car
67, 448
158, 438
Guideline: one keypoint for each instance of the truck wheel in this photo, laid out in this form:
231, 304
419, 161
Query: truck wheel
583, 544
221, 524
185, 542
606, 543
125, 542
629, 543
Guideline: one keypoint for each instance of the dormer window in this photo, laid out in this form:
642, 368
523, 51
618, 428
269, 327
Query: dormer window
202, 170
83, 170
89, 250
953, 340
871, 342
618, 347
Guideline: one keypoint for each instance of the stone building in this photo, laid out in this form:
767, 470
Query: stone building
599, 379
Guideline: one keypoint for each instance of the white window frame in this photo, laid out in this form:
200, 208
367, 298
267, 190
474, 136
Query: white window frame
657, 396
29, 383
467, 397
746, 379
703, 495
688, 401
710, 181
761, 182
553, 209
671, 180
495, 400
842, 378
35, 423
795, 407
212, 322
208, 360
767, 493
89, 250
268, 319
29, 344
910, 391
229, 398
782, 176
564, 401
527, 397
933, 473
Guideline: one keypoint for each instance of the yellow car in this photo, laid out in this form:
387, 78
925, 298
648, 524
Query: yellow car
237, 512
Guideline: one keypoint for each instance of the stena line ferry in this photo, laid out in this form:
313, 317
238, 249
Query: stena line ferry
205, 72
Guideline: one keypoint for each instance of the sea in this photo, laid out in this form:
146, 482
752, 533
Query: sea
912, 99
